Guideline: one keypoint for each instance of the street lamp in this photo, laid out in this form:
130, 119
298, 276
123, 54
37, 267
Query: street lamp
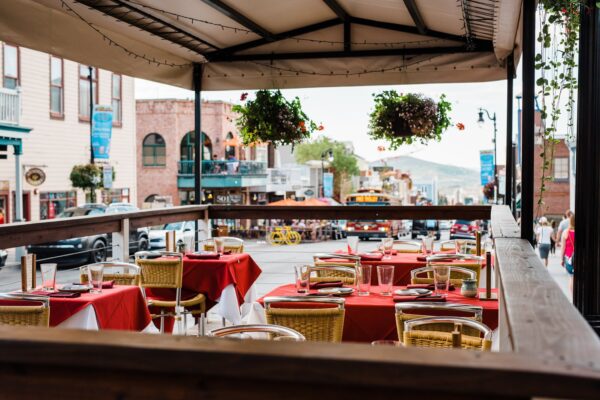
329, 154
481, 121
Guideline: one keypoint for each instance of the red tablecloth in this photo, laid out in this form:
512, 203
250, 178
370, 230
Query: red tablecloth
122, 308
372, 317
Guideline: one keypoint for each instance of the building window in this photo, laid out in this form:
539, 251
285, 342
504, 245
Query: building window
84, 91
53, 203
116, 100
110, 196
561, 169
154, 151
10, 66
57, 100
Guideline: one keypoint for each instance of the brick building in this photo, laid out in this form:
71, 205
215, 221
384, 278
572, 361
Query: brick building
165, 154
556, 197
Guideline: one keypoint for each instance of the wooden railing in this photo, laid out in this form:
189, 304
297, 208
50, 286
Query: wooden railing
547, 348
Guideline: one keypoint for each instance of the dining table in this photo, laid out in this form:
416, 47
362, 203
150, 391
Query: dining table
372, 317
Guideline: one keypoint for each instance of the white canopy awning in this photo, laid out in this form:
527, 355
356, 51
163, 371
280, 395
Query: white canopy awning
275, 44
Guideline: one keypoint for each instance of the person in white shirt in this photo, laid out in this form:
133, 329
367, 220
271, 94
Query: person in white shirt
544, 234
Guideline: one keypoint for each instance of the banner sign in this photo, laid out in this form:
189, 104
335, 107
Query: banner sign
327, 184
487, 166
101, 131
107, 176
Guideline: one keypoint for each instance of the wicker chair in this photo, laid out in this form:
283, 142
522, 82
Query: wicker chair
454, 337
121, 273
165, 270
448, 245
36, 314
409, 311
272, 332
469, 245
316, 324
406, 246
344, 268
457, 274
232, 244
467, 261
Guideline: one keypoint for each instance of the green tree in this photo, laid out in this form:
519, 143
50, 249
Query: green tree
89, 178
344, 164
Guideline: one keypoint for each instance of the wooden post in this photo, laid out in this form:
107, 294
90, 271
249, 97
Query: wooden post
120, 242
478, 243
457, 336
488, 295
28, 270
170, 241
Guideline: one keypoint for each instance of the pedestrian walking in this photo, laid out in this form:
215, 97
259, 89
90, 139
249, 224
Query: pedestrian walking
543, 235
563, 226
553, 238
568, 246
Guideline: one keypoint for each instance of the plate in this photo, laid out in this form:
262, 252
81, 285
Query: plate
412, 292
75, 288
336, 291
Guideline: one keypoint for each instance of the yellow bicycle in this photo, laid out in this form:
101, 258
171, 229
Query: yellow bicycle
284, 235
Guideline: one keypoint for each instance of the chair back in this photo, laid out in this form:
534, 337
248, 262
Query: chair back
457, 274
160, 269
406, 246
28, 272
467, 246
447, 245
120, 272
232, 244
409, 311
467, 261
37, 313
315, 323
273, 332
414, 336
330, 272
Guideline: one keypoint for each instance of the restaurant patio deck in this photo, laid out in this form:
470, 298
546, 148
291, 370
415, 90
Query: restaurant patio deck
547, 347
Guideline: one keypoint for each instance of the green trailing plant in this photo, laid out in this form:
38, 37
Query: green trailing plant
271, 118
408, 118
558, 37
88, 177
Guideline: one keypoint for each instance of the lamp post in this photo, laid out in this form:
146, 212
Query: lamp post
481, 121
329, 154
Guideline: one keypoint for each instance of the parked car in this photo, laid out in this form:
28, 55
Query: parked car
184, 231
445, 225
3, 256
464, 229
73, 251
424, 227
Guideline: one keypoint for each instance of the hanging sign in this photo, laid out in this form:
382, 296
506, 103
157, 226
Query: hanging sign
101, 131
35, 176
486, 158
327, 184
107, 176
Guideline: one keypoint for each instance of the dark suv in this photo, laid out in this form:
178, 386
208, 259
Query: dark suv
89, 249
424, 226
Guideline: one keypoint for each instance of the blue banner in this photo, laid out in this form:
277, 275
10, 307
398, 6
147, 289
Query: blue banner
327, 184
101, 131
487, 166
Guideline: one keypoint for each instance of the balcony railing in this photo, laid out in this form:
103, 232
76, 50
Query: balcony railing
10, 106
210, 167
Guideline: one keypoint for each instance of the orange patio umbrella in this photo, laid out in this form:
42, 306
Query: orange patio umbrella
312, 202
285, 202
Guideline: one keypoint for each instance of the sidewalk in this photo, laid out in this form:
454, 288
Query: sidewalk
559, 273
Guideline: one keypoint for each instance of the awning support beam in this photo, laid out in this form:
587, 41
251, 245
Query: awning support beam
510, 74
413, 10
198, 143
240, 18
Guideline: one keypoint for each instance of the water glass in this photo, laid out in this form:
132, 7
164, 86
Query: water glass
219, 245
352, 244
387, 244
441, 279
48, 276
385, 277
95, 278
461, 246
427, 246
301, 273
363, 279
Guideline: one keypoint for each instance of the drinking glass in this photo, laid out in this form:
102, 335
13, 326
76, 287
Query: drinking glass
461, 246
385, 277
219, 245
352, 244
363, 279
441, 279
95, 278
301, 273
387, 244
48, 276
427, 246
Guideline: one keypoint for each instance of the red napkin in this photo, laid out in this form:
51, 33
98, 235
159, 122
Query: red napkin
371, 256
393, 252
105, 284
204, 256
66, 295
401, 299
427, 286
321, 285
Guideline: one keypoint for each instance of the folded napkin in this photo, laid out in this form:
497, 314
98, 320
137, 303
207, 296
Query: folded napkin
105, 284
401, 299
429, 286
66, 295
203, 256
371, 256
424, 258
322, 285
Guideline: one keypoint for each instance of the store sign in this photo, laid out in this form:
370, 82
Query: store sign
486, 158
102, 120
309, 192
228, 199
107, 176
327, 184
35, 176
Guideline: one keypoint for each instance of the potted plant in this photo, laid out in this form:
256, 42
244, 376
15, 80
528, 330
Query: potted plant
408, 118
271, 118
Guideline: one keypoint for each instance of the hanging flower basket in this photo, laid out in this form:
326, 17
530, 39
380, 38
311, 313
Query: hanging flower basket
270, 118
408, 118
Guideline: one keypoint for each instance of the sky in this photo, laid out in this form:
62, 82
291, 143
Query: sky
344, 112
